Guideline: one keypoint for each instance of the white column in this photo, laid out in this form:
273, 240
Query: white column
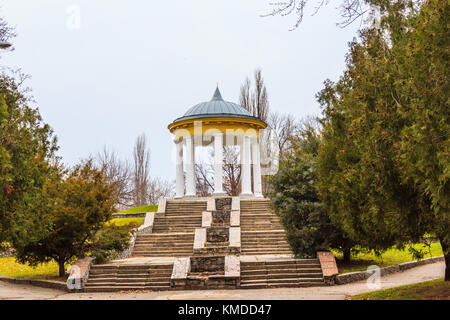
179, 169
218, 162
257, 187
190, 167
246, 184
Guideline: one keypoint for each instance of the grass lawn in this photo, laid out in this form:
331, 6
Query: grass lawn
125, 221
393, 256
429, 290
10, 268
150, 208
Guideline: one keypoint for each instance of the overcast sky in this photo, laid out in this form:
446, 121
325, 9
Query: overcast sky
132, 67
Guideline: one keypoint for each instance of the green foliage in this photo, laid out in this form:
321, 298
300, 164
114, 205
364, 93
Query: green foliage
149, 208
126, 221
74, 208
392, 256
383, 168
424, 145
27, 147
111, 240
428, 290
294, 197
9, 267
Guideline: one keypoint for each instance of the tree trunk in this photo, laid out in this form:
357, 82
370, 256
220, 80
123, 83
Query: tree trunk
347, 256
61, 268
445, 250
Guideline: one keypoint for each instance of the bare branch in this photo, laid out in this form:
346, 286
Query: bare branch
351, 10
141, 156
256, 102
118, 173
232, 170
159, 188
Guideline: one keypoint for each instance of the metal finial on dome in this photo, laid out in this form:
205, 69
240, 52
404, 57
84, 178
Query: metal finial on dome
217, 95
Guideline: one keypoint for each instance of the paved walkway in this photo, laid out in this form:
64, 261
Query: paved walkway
166, 260
418, 274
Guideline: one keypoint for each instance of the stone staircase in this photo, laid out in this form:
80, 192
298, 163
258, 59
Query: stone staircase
110, 278
164, 245
281, 273
173, 234
181, 216
261, 231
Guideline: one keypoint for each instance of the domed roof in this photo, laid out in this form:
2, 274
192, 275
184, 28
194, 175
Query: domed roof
216, 107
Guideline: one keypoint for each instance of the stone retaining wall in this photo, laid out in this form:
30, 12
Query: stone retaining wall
128, 215
182, 279
38, 283
207, 264
363, 275
147, 227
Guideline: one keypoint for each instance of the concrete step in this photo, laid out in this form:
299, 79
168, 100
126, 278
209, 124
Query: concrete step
178, 254
163, 253
91, 284
281, 273
113, 288
172, 229
294, 274
245, 285
101, 275
261, 234
163, 237
164, 243
129, 277
178, 224
262, 245
167, 252
155, 238
255, 253
274, 240
257, 233
159, 279
134, 275
179, 221
265, 272
101, 280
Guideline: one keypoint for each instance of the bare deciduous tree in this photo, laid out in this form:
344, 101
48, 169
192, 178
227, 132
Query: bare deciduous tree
256, 102
159, 188
141, 157
308, 124
351, 10
118, 173
203, 179
284, 127
232, 171
6, 32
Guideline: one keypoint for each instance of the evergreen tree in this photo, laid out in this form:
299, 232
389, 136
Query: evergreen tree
384, 162
27, 147
295, 199
74, 209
